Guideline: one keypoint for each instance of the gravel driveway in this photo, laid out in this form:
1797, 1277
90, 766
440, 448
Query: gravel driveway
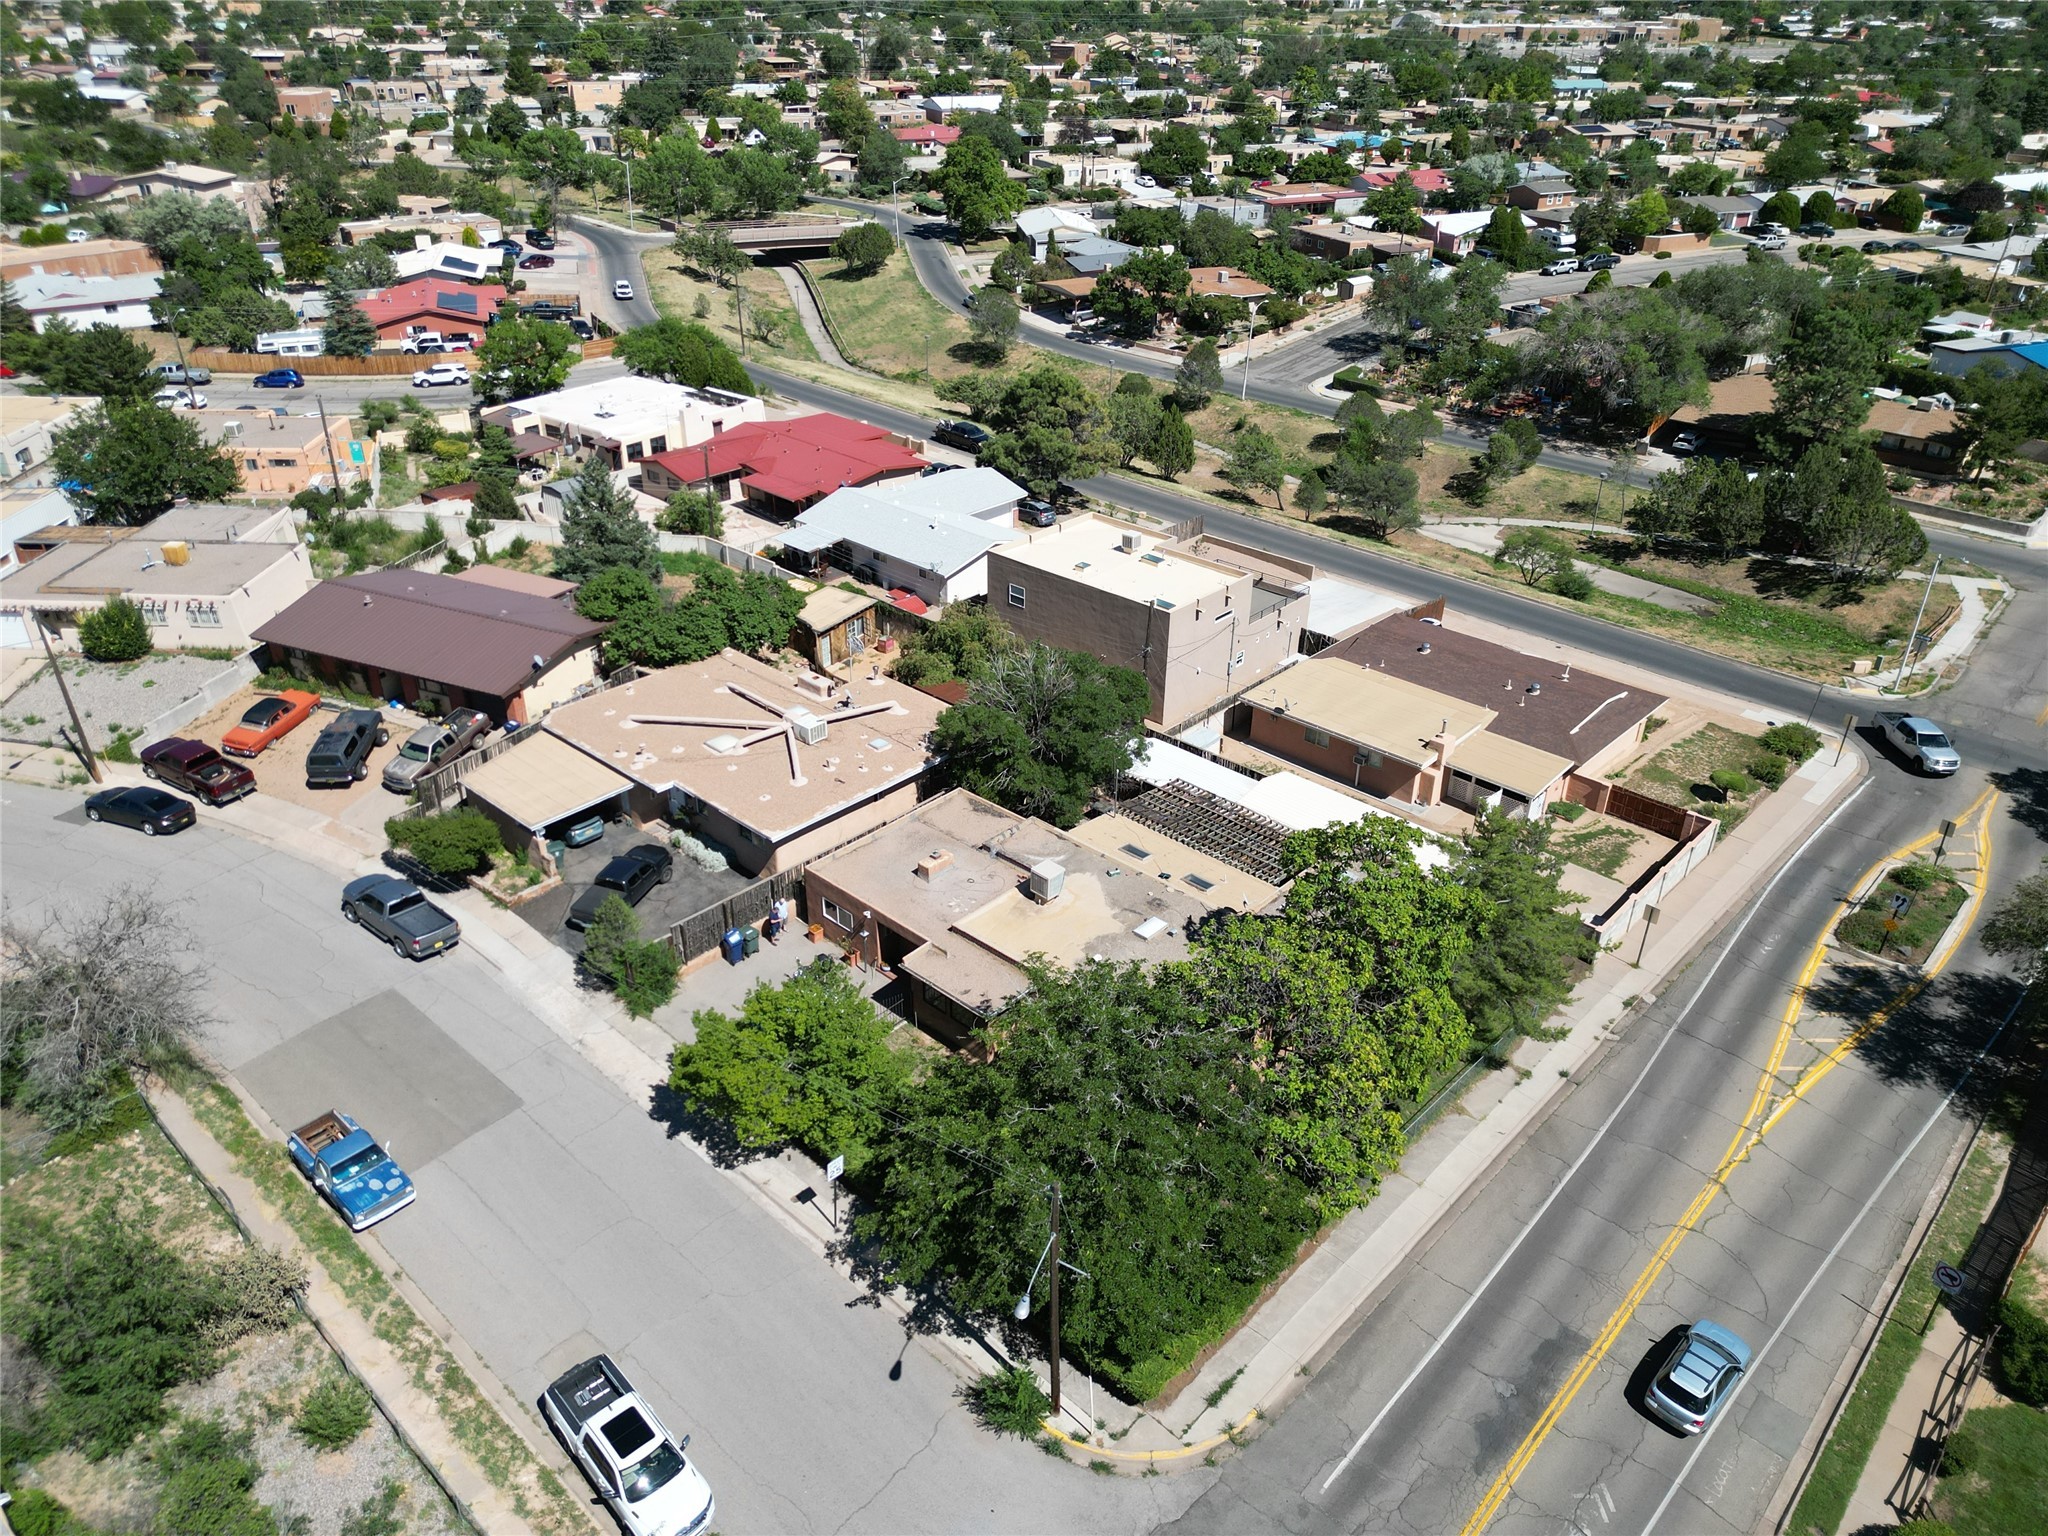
110, 696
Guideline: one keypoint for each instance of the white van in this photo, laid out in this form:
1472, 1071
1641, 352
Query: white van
292, 344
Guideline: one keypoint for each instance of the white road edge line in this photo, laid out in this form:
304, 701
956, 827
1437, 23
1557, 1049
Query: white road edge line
1821, 1269
1599, 1136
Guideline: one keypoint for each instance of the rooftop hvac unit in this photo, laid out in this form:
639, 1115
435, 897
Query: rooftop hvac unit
177, 552
809, 729
1047, 879
724, 746
1129, 542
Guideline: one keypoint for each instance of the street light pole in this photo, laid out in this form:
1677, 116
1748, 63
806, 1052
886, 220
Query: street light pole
896, 210
1251, 330
1597, 496
1022, 1311
1906, 656
627, 161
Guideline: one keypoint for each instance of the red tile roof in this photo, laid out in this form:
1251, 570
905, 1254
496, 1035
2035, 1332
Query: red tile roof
435, 296
795, 460
928, 133
1425, 178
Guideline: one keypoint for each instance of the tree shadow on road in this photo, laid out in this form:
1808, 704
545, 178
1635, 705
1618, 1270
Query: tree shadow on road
674, 1112
1934, 1040
2026, 790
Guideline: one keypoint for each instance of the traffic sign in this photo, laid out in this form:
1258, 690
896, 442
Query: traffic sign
833, 1169
1948, 1279
1900, 903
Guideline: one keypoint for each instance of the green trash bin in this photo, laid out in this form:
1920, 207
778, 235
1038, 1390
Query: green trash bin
750, 940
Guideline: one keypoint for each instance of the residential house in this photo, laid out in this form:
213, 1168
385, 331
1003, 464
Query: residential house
1914, 434
1095, 254
1040, 227
835, 627
1308, 197
29, 425
1202, 621
2007, 352
1543, 196
1422, 715
82, 302
927, 137
202, 576
308, 103
84, 258
1731, 213
773, 768
778, 468
422, 637
206, 182
439, 226
628, 418
1459, 234
939, 108
959, 895
448, 261
1223, 283
281, 455
433, 304
925, 537
1605, 138
592, 98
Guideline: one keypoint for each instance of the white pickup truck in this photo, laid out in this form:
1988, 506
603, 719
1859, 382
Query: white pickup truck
1920, 741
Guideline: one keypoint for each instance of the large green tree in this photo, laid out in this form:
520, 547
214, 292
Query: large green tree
131, 461
1041, 730
348, 332
1830, 359
1526, 940
100, 360
683, 353
977, 191
521, 357
600, 529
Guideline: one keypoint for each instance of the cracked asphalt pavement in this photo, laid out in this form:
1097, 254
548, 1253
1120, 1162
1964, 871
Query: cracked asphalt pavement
558, 1217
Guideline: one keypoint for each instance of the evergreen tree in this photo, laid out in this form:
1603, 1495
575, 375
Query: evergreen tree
348, 331
601, 530
494, 499
1200, 376
1172, 449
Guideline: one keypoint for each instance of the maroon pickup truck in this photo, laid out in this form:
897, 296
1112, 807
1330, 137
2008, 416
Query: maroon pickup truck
196, 768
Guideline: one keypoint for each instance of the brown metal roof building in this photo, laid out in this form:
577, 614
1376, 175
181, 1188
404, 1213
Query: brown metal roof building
417, 636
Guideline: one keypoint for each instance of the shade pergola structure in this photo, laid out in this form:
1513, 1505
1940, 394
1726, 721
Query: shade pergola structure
795, 724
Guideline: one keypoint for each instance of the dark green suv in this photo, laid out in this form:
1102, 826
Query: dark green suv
341, 756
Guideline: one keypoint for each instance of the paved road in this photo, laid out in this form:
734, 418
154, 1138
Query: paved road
1630, 1147
557, 1216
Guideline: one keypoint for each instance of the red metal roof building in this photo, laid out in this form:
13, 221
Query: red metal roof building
435, 304
927, 135
781, 467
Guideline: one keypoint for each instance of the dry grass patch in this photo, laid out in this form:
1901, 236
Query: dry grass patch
675, 293
888, 323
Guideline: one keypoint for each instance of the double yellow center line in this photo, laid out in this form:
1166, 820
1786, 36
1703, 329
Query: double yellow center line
1757, 1122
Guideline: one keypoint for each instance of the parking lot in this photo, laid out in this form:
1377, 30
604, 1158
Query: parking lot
689, 888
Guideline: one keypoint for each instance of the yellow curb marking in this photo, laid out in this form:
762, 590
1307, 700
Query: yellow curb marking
1178, 1453
1741, 1145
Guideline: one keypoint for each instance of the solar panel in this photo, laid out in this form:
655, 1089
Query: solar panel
460, 303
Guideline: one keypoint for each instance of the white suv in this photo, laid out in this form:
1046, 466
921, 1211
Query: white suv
622, 289
441, 373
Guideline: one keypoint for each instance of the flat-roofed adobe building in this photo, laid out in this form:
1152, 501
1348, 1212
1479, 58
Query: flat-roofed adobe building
1419, 714
773, 768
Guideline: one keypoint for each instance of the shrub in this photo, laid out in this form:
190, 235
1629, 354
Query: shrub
1863, 929
35, 1513
1798, 742
1010, 1402
1961, 1452
1768, 769
334, 1412
1566, 810
1572, 583
641, 973
1925, 1528
378, 1514
260, 1290
450, 844
1732, 782
1915, 877
121, 748
207, 1492
2022, 1353
114, 632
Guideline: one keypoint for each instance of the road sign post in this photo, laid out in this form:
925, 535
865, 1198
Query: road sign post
1948, 830
832, 1171
1948, 1281
1650, 915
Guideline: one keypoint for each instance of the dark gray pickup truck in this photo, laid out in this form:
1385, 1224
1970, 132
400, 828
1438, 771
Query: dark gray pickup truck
398, 913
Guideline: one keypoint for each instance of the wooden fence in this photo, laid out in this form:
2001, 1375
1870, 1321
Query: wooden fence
378, 365
699, 933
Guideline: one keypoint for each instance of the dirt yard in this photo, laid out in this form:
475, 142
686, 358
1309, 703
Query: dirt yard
281, 771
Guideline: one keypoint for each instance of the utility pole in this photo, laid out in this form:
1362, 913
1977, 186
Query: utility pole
92, 766
1251, 330
328, 438
628, 160
1906, 656
1055, 1255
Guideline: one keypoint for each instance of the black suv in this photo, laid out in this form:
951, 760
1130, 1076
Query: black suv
342, 754
632, 875
964, 435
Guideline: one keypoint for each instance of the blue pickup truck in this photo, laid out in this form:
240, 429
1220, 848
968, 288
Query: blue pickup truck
350, 1170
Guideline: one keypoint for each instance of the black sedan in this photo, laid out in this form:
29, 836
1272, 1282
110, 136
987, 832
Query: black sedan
155, 811
632, 875
967, 436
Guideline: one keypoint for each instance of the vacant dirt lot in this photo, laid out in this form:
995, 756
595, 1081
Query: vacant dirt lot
281, 771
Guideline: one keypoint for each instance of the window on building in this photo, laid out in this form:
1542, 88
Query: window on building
838, 916
633, 453
1016, 595
284, 463
657, 445
1314, 737
251, 464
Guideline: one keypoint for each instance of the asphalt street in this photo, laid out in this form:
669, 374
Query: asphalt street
1411, 1424
558, 1217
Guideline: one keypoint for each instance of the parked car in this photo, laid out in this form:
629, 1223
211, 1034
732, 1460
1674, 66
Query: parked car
460, 343
434, 744
399, 913
351, 1172
967, 436
1687, 442
632, 875
1920, 741
440, 373
341, 755
622, 289
1697, 1377
635, 1464
196, 768
177, 396
1955, 231
1561, 267
1875, 246
1601, 262
535, 263
540, 240
584, 330
1908, 245
1770, 241
267, 721
1034, 513
581, 834
155, 812
507, 243
179, 373
280, 378
422, 341
1813, 229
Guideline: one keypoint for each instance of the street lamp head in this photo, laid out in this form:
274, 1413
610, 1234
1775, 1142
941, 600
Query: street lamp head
1022, 1311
